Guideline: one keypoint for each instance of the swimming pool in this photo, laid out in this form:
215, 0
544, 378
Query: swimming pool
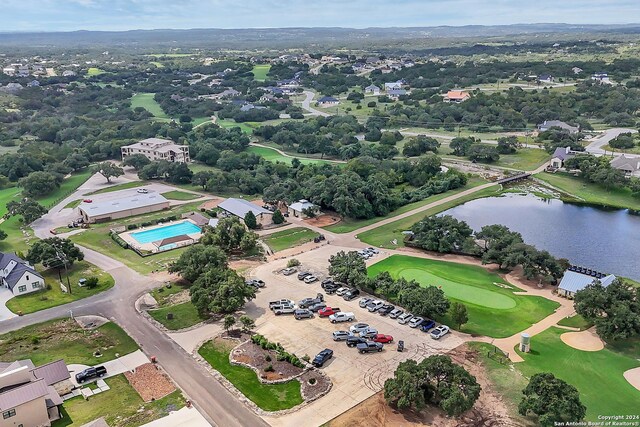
178, 229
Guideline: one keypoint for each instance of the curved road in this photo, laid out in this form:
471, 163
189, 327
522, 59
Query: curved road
306, 105
596, 144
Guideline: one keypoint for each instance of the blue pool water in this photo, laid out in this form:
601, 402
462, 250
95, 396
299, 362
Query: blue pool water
172, 230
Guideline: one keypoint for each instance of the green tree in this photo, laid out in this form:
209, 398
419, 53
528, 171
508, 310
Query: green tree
136, 161
39, 183
551, 400
232, 237
3, 235
247, 323
108, 170
443, 234
310, 212
54, 252
461, 145
202, 178
508, 144
220, 291
427, 301
458, 313
92, 282
197, 260
347, 267
29, 209
77, 161
250, 220
420, 145
623, 141
278, 218
229, 321
483, 153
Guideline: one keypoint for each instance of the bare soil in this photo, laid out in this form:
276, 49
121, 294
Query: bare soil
584, 340
150, 382
255, 356
323, 220
322, 384
210, 204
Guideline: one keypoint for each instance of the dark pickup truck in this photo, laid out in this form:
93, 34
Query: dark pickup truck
91, 373
369, 347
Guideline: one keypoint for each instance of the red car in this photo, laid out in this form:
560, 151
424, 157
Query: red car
327, 311
382, 338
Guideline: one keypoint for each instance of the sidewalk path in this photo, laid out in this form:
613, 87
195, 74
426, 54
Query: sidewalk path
185, 417
114, 367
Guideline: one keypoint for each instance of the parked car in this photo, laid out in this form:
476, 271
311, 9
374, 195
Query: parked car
289, 271
358, 327
403, 319
256, 283
400, 346
284, 309
372, 250
439, 332
317, 307
427, 325
310, 279
322, 357
303, 274
328, 284
386, 309
369, 347
328, 311
331, 289
369, 332
341, 291
308, 302
364, 301
142, 190
354, 341
415, 322
382, 338
326, 281
272, 304
350, 294
395, 313
91, 373
375, 306
342, 335
302, 314
342, 317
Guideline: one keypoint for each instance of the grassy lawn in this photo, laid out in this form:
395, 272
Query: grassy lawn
7, 195
348, 225
525, 159
384, 235
73, 204
146, 101
65, 339
269, 397
494, 310
228, 124
260, 72
273, 156
121, 406
54, 296
95, 71
591, 193
98, 239
68, 186
180, 195
584, 369
118, 187
575, 321
184, 316
289, 238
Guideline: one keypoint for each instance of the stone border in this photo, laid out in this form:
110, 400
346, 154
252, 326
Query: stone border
240, 396
160, 326
306, 368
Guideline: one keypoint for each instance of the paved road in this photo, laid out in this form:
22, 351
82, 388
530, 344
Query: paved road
306, 105
596, 144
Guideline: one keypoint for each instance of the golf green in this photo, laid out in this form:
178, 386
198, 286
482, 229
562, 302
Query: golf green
459, 291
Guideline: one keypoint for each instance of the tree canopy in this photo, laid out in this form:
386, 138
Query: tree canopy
54, 252
552, 400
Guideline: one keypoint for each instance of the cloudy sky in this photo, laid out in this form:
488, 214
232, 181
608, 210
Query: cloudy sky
66, 15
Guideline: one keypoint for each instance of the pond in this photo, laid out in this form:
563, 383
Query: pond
604, 240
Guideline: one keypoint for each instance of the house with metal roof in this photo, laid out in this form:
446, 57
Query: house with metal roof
240, 208
328, 101
548, 124
18, 275
298, 208
124, 207
577, 278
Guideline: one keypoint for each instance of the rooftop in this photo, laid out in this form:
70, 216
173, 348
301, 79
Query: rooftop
240, 207
123, 204
577, 278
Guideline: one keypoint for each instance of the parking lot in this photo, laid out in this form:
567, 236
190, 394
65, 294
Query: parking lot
355, 376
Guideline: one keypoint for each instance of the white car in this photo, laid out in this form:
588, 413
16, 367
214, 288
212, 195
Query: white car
395, 313
310, 279
142, 190
342, 317
375, 305
403, 319
341, 335
342, 291
372, 250
415, 322
358, 327
439, 332
289, 271
369, 332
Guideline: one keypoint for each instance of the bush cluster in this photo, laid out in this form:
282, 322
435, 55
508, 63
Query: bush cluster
119, 241
281, 354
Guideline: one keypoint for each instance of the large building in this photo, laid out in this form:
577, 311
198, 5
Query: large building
577, 278
108, 210
158, 149
18, 275
239, 208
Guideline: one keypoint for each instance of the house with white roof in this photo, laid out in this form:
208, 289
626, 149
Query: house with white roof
18, 275
372, 89
123, 207
240, 208
298, 208
158, 149
577, 278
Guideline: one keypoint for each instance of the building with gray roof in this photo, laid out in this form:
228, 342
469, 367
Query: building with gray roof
124, 207
158, 149
577, 278
18, 275
240, 208
629, 165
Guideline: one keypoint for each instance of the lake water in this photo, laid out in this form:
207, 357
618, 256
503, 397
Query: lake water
604, 240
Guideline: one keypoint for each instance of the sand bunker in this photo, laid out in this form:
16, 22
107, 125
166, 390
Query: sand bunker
633, 376
585, 340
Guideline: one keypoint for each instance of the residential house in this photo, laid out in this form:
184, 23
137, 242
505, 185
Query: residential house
68, 73
396, 93
12, 88
393, 85
456, 96
560, 156
298, 208
29, 395
577, 278
226, 94
158, 149
240, 208
629, 165
196, 217
577, 70
602, 78
18, 275
372, 89
328, 101
33, 83
548, 124
546, 78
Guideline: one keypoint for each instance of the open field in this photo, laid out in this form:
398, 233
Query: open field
575, 321
65, 339
7, 195
273, 156
52, 297
146, 101
184, 313
289, 238
526, 159
591, 193
269, 397
180, 195
583, 369
121, 406
228, 124
16, 240
68, 186
384, 235
494, 310
260, 72
118, 187
347, 225
94, 71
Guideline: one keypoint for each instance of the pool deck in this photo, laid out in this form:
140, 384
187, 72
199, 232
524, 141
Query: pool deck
151, 246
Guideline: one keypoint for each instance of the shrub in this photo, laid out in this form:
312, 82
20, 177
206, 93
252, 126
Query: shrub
267, 358
293, 262
312, 381
269, 368
306, 358
35, 340
132, 226
92, 282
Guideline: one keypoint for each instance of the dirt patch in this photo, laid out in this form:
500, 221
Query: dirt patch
255, 356
314, 384
584, 340
179, 298
242, 265
165, 277
323, 220
633, 376
150, 382
210, 204
489, 410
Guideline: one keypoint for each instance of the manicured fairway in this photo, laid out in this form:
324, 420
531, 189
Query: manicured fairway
6, 196
596, 374
289, 238
494, 310
146, 101
273, 156
180, 195
260, 72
